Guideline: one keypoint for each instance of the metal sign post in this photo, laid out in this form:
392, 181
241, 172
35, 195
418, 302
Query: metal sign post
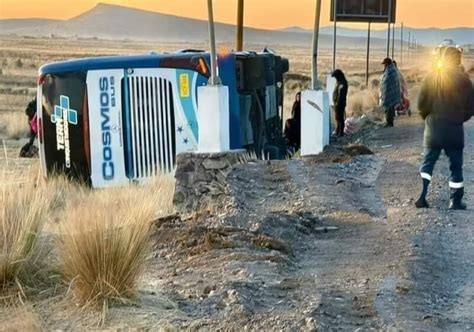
240, 26
388, 31
368, 55
401, 46
334, 38
393, 41
314, 63
409, 46
214, 80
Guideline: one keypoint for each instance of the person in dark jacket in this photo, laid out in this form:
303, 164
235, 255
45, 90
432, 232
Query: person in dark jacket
389, 91
339, 98
29, 150
445, 102
292, 130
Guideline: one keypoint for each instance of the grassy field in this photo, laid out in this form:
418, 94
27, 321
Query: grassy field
53, 253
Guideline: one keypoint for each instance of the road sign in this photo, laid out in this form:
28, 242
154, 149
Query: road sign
375, 11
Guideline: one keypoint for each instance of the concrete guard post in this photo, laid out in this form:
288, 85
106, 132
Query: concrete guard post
331, 83
213, 119
315, 122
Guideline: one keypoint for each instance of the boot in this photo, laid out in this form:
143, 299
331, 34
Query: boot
421, 203
456, 202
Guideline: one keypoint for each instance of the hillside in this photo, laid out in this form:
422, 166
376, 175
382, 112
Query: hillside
13, 25
118, 22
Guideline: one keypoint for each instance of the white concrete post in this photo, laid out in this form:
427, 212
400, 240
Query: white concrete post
331, 83
213, 119
315, 122
213, 104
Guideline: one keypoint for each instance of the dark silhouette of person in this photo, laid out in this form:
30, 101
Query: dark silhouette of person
339, 98
29, 150
292, 130
389, 91
445, 102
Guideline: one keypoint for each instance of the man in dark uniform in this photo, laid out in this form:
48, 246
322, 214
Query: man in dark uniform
445, 102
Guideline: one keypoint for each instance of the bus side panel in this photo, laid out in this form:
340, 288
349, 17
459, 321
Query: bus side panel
106, 128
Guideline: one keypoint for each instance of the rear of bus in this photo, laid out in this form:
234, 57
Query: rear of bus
115, 120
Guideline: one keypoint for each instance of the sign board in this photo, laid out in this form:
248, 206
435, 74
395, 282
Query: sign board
375, 11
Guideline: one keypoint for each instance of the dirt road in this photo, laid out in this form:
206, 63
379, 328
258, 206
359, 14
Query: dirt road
316, 246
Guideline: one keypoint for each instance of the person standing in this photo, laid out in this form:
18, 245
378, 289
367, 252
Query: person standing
445, 102
389, 91
292, 129
29, 150
339, 98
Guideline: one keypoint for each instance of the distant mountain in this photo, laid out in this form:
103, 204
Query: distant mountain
117, 22
296, 29
428, 37
12, 25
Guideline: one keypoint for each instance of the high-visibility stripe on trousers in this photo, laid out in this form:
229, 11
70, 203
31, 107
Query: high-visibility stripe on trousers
455, 156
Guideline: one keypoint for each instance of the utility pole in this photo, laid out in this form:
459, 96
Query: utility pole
389, 23
409, 45
213, 115
315, 115
314, 62
401, 45
393, 41
240, 26
214, 80
367, 61
334, 36
416, 51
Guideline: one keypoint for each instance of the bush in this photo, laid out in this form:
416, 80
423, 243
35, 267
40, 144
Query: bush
356, 105
19, 63
16, 125
103, 246
22, 218
20, 321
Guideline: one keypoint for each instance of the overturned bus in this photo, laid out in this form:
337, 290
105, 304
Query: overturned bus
115, 120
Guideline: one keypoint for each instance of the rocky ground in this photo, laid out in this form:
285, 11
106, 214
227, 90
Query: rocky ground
311, 245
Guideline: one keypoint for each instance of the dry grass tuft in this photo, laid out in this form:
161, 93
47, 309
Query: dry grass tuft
15, 125
23, 214
21, 321
362, 101
268, 242
103, 246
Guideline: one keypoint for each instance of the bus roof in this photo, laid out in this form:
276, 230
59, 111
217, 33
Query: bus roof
150, 60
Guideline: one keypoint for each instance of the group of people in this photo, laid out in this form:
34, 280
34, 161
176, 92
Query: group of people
446, 102
393, 96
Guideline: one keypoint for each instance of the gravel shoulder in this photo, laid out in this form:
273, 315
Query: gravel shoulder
305, 245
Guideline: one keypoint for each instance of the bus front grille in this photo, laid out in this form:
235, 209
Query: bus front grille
150, 139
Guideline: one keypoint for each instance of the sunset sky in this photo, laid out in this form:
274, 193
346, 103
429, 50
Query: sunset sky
258, 13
